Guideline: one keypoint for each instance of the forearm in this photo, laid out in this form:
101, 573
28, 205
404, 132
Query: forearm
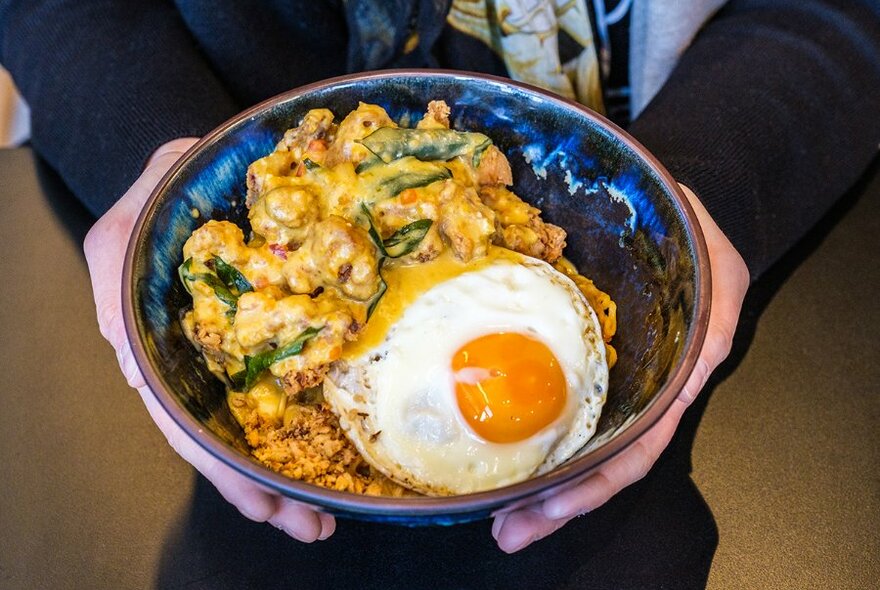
108, 82
771, 115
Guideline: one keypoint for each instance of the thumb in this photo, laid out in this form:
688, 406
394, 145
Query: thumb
104, 249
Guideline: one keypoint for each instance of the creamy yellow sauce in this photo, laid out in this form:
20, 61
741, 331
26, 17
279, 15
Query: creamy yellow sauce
328, 214
407, 283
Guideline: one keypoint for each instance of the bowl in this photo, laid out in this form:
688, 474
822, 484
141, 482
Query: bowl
629, 227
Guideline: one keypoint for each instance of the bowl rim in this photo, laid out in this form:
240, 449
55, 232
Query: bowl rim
424, 506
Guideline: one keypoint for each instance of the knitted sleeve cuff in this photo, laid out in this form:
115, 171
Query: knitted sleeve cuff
770, 116
107, 82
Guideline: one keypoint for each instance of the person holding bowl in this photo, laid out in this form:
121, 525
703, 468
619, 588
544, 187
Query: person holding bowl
763, 110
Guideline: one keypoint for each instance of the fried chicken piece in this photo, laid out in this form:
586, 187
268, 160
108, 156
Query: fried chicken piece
437, 116
494, 169
520, 227
317, 126
552, 237
411, 205
465, 222
259, 265
266, 173
284, 215
263, 322
210, 341
335, 254
357, 125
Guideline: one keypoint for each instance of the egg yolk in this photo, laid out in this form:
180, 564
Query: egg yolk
508, 386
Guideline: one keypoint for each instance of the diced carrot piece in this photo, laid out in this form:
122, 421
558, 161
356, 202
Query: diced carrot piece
409, 196
317, 145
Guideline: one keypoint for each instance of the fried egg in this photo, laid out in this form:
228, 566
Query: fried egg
477, 377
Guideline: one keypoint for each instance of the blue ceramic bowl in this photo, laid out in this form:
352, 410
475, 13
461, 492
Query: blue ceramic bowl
629, 228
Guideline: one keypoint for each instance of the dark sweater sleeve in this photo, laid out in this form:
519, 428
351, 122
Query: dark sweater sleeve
771, 115
107, 82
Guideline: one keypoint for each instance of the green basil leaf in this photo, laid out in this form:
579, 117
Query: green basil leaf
220, 290
184, 271
374, 235
397, 184
231, 277
478, 154
367, 163
383, 181
401, 242
255, 365
389, 143
187, 277
407, 238
239, 379
310, 164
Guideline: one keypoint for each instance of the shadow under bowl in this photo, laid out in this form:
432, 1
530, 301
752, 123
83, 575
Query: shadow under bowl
630, 229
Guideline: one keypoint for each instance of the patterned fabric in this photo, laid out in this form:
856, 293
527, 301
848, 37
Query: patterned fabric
526, 35
548, 43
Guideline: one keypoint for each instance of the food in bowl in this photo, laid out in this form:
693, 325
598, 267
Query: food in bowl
399, 321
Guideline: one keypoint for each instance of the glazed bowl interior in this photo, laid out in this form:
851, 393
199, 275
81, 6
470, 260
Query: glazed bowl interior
629, 229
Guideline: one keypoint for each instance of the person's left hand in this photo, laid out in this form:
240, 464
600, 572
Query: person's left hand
730, 280
104, 248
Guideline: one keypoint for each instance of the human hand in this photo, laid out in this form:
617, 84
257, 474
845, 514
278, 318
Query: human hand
730, 280
104, 248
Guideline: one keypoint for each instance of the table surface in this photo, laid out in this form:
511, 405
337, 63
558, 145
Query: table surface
771, 482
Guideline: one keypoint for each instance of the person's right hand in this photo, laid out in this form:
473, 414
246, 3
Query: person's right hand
104, 248
730, 280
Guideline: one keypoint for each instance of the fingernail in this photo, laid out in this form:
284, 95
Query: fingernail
498, 523
558, 511
525, 543
299, 538
554, 510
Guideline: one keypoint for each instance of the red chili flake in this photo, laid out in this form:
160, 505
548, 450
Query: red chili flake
278, 250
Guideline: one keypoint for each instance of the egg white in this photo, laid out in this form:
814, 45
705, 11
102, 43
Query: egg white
397, 401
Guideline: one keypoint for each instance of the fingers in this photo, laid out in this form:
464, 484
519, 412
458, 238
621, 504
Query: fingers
515, 530
631, 465
251, 500
104, 248
254, 502
302, 522
105, 244
730, 280
299, 521
522, 527
130, 369
328, 525
498, 521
